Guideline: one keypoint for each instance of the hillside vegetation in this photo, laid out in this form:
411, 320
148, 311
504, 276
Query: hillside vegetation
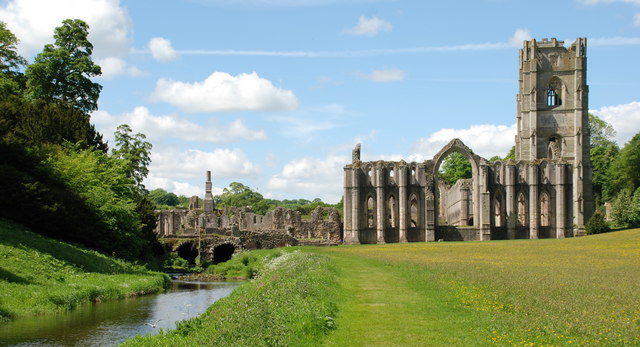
40, 275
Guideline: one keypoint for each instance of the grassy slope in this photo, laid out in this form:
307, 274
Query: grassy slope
291, 303
581, 291
40, 275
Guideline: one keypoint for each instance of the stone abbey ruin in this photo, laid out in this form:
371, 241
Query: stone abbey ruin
544, 193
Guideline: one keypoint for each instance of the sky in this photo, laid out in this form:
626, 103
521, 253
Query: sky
276, 93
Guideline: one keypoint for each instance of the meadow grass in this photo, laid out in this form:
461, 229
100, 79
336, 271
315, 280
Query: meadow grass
579, 291
244, 265
291, 303
39, 275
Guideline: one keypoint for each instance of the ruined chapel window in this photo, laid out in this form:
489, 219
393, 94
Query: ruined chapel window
522, 210
544, 210
391, 212
392, 174
414, 212
370, 213
497, 212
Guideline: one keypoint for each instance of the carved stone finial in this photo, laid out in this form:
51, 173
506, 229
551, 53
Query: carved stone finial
355, 155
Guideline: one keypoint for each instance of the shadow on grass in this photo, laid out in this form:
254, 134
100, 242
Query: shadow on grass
11, 277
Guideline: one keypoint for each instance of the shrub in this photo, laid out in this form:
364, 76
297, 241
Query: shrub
597, 224
625, 209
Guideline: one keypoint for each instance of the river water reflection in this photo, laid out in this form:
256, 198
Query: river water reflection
109, 323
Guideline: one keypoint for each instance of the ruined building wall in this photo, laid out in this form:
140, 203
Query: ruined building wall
457, 203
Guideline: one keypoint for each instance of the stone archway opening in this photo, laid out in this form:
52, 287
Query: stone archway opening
188, 251
223, 252
455, 177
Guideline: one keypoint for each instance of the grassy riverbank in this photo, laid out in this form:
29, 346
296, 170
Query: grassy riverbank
291, 303
39, 275
579, 291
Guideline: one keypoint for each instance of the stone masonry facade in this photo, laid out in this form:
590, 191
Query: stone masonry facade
545, 192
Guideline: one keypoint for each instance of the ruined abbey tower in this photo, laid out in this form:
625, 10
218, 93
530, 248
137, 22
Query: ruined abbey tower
553, 112
544, 193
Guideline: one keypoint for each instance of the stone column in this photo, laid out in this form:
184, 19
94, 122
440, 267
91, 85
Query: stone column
402, 203
510, 180
560, 201
348, 226
464, 207
533, 201
380, 223
356, 213
578, 200
208, 197
430, 215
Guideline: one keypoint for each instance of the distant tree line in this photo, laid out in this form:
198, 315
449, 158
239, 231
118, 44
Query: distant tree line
240, 195
57, 175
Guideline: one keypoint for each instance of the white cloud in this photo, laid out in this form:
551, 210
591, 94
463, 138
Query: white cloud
284, 3
302, 128
368, 27
33, 22
177, 187
519, 36
222, 92
172, 126
388, 75
470, 47
624, 118
485, 140
313, 177
193, 163
112, 67
636, 20
162, 50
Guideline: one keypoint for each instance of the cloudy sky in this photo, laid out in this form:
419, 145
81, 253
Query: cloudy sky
275, 93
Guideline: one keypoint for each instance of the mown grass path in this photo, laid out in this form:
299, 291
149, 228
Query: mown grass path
579, 291
386, 308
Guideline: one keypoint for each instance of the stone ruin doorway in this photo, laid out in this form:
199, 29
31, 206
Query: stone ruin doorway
464, 215
223, 252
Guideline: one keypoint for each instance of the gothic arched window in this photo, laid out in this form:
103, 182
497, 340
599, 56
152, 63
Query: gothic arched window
544, 210
522, 210
414, 211
391, 212
552, 98
497, 212
371, 222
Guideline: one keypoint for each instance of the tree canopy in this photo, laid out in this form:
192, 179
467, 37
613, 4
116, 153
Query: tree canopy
455, 167
63, 70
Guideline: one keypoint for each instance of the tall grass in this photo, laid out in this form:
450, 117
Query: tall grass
39, 275
291, 303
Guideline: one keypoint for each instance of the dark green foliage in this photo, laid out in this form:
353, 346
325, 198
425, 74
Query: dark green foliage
602, 133
160, 196
10, 60
625, 168
512, 154
63, 71
37, 122
455, 167
597, 224
244, 265
625, 209
601, 158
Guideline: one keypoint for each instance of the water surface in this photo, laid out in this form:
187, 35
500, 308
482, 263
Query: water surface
110, 323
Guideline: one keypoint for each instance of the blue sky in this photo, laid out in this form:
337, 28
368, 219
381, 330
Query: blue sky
275, 94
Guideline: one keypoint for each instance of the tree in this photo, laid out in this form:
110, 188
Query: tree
602, 133
135, 151
625, 168
160, 196
63, 70
512, 154
10, 60
454, 167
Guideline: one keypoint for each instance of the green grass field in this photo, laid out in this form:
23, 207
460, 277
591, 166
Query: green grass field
580, 291
569, 292
39, 275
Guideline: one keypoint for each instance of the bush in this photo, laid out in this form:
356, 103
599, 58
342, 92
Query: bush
597, 224
244, 265
625, 209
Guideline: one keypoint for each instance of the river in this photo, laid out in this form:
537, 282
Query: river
109, 323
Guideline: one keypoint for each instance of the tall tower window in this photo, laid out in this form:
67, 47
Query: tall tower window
552, 98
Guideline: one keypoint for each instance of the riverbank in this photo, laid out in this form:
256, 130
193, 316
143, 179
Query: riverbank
291, 303
39, 275
550, 292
